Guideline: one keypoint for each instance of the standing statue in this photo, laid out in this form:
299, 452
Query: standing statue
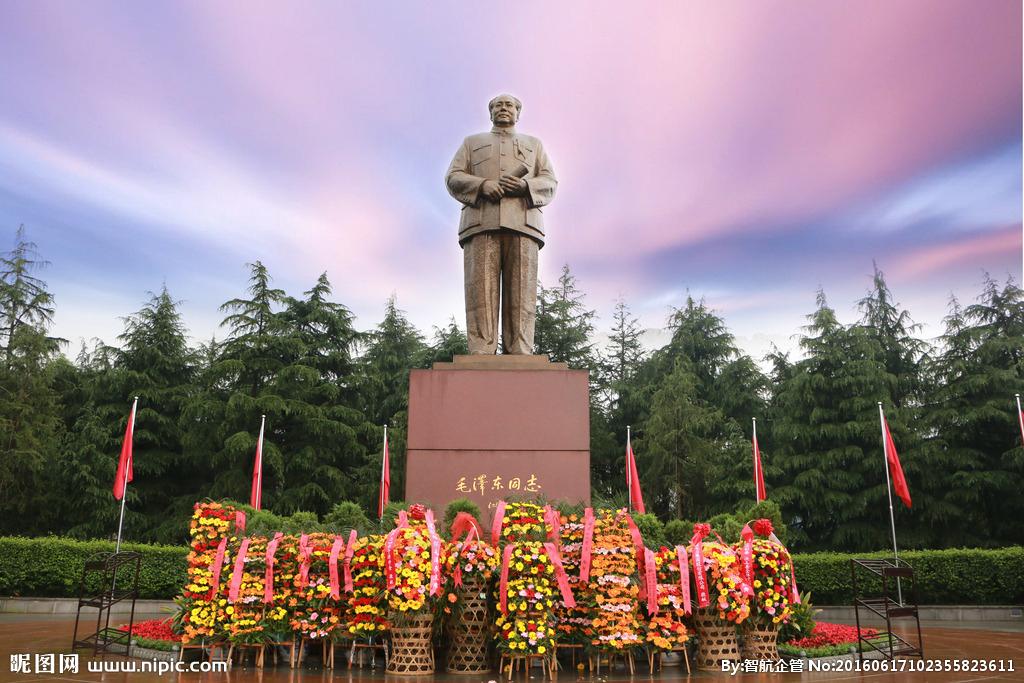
502, 178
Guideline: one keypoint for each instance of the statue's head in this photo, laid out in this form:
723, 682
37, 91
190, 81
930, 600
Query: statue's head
505, 110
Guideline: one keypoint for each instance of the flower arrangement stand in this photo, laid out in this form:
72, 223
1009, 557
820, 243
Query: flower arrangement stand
627, 661
205, 648
258, 649
412, 652
654, 658
289, 645
760, 642
572, 648
511, 663
372, 647
302, 650
471, 632
716, 641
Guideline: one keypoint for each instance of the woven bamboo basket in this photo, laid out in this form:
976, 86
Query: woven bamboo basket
412, 653
716, 641
760, 642
470, 633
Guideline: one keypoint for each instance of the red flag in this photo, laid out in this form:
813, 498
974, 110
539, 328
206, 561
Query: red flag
636, 497
124, 464
899, 482
256, 494
385, 479
758, 472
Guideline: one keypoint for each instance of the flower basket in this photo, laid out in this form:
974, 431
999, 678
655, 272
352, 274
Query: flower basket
411, 651
759, 642
716, 640
470, 632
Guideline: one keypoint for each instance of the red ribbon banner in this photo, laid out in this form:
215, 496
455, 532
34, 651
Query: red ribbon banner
218, 565
560, 575
684, 577
794, 594
747, 560
236, 577
463, 525
239, 522
588, 544
499, 517
333, 567
305, 556
435, 554
638, 547
268, 576
390, 571
350, 550
552, 520
650, 570
700, 577
506, 558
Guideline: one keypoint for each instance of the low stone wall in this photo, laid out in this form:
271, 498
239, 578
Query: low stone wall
952, 613
69, 606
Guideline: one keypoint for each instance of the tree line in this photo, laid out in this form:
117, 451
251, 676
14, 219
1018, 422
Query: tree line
328, 387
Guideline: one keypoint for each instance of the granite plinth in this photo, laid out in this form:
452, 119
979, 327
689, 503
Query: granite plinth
494, 427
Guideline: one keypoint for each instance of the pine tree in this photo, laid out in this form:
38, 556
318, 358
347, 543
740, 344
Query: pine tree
828, 440
29, 407
973, 445
564, 324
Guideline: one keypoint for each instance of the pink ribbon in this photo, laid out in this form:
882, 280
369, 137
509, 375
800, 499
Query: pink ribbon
638, 547
305, 557
350, 550
435, 554
588, 544
268, 576
499, 517
462, 524
390, 571
700, 577
239, 522
506, 558
333, 567
794, 594
218, 565
684, 576
652, 581
747, 554
236, 577
560, 575
552, 519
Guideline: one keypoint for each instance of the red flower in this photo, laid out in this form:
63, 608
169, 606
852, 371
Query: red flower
763, 527
701, 530
417, 511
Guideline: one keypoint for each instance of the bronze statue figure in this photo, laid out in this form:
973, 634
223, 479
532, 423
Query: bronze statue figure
502, 178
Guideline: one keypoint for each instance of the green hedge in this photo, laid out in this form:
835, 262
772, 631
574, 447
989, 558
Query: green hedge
944, 577
52, 567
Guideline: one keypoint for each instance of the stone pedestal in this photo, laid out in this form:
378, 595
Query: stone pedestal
493, 427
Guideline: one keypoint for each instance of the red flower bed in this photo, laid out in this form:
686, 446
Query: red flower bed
154, 629
825, 634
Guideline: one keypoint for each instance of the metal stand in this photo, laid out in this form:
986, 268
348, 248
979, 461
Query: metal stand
103, 570
889, 644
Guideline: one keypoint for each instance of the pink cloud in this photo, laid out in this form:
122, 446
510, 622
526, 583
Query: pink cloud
939, 258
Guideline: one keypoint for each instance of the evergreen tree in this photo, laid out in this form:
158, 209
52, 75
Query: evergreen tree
564, 324
975, 457
449, 341
828, 440
29, 407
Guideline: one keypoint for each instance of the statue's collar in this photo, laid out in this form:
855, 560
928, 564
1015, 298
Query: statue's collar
503, 130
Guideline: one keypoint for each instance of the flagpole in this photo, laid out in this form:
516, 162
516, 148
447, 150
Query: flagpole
124, 488
1020, 419
259, 472
758, 475
383, 464
629, 470
888, 487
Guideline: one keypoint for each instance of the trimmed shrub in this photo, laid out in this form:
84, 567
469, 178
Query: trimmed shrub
52, 566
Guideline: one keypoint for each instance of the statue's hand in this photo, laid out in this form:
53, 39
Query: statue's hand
513, 186
492, 190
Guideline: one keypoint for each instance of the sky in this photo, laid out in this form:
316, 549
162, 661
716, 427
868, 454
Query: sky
747, 153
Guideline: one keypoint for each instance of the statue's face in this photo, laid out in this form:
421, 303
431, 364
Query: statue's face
504, 111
